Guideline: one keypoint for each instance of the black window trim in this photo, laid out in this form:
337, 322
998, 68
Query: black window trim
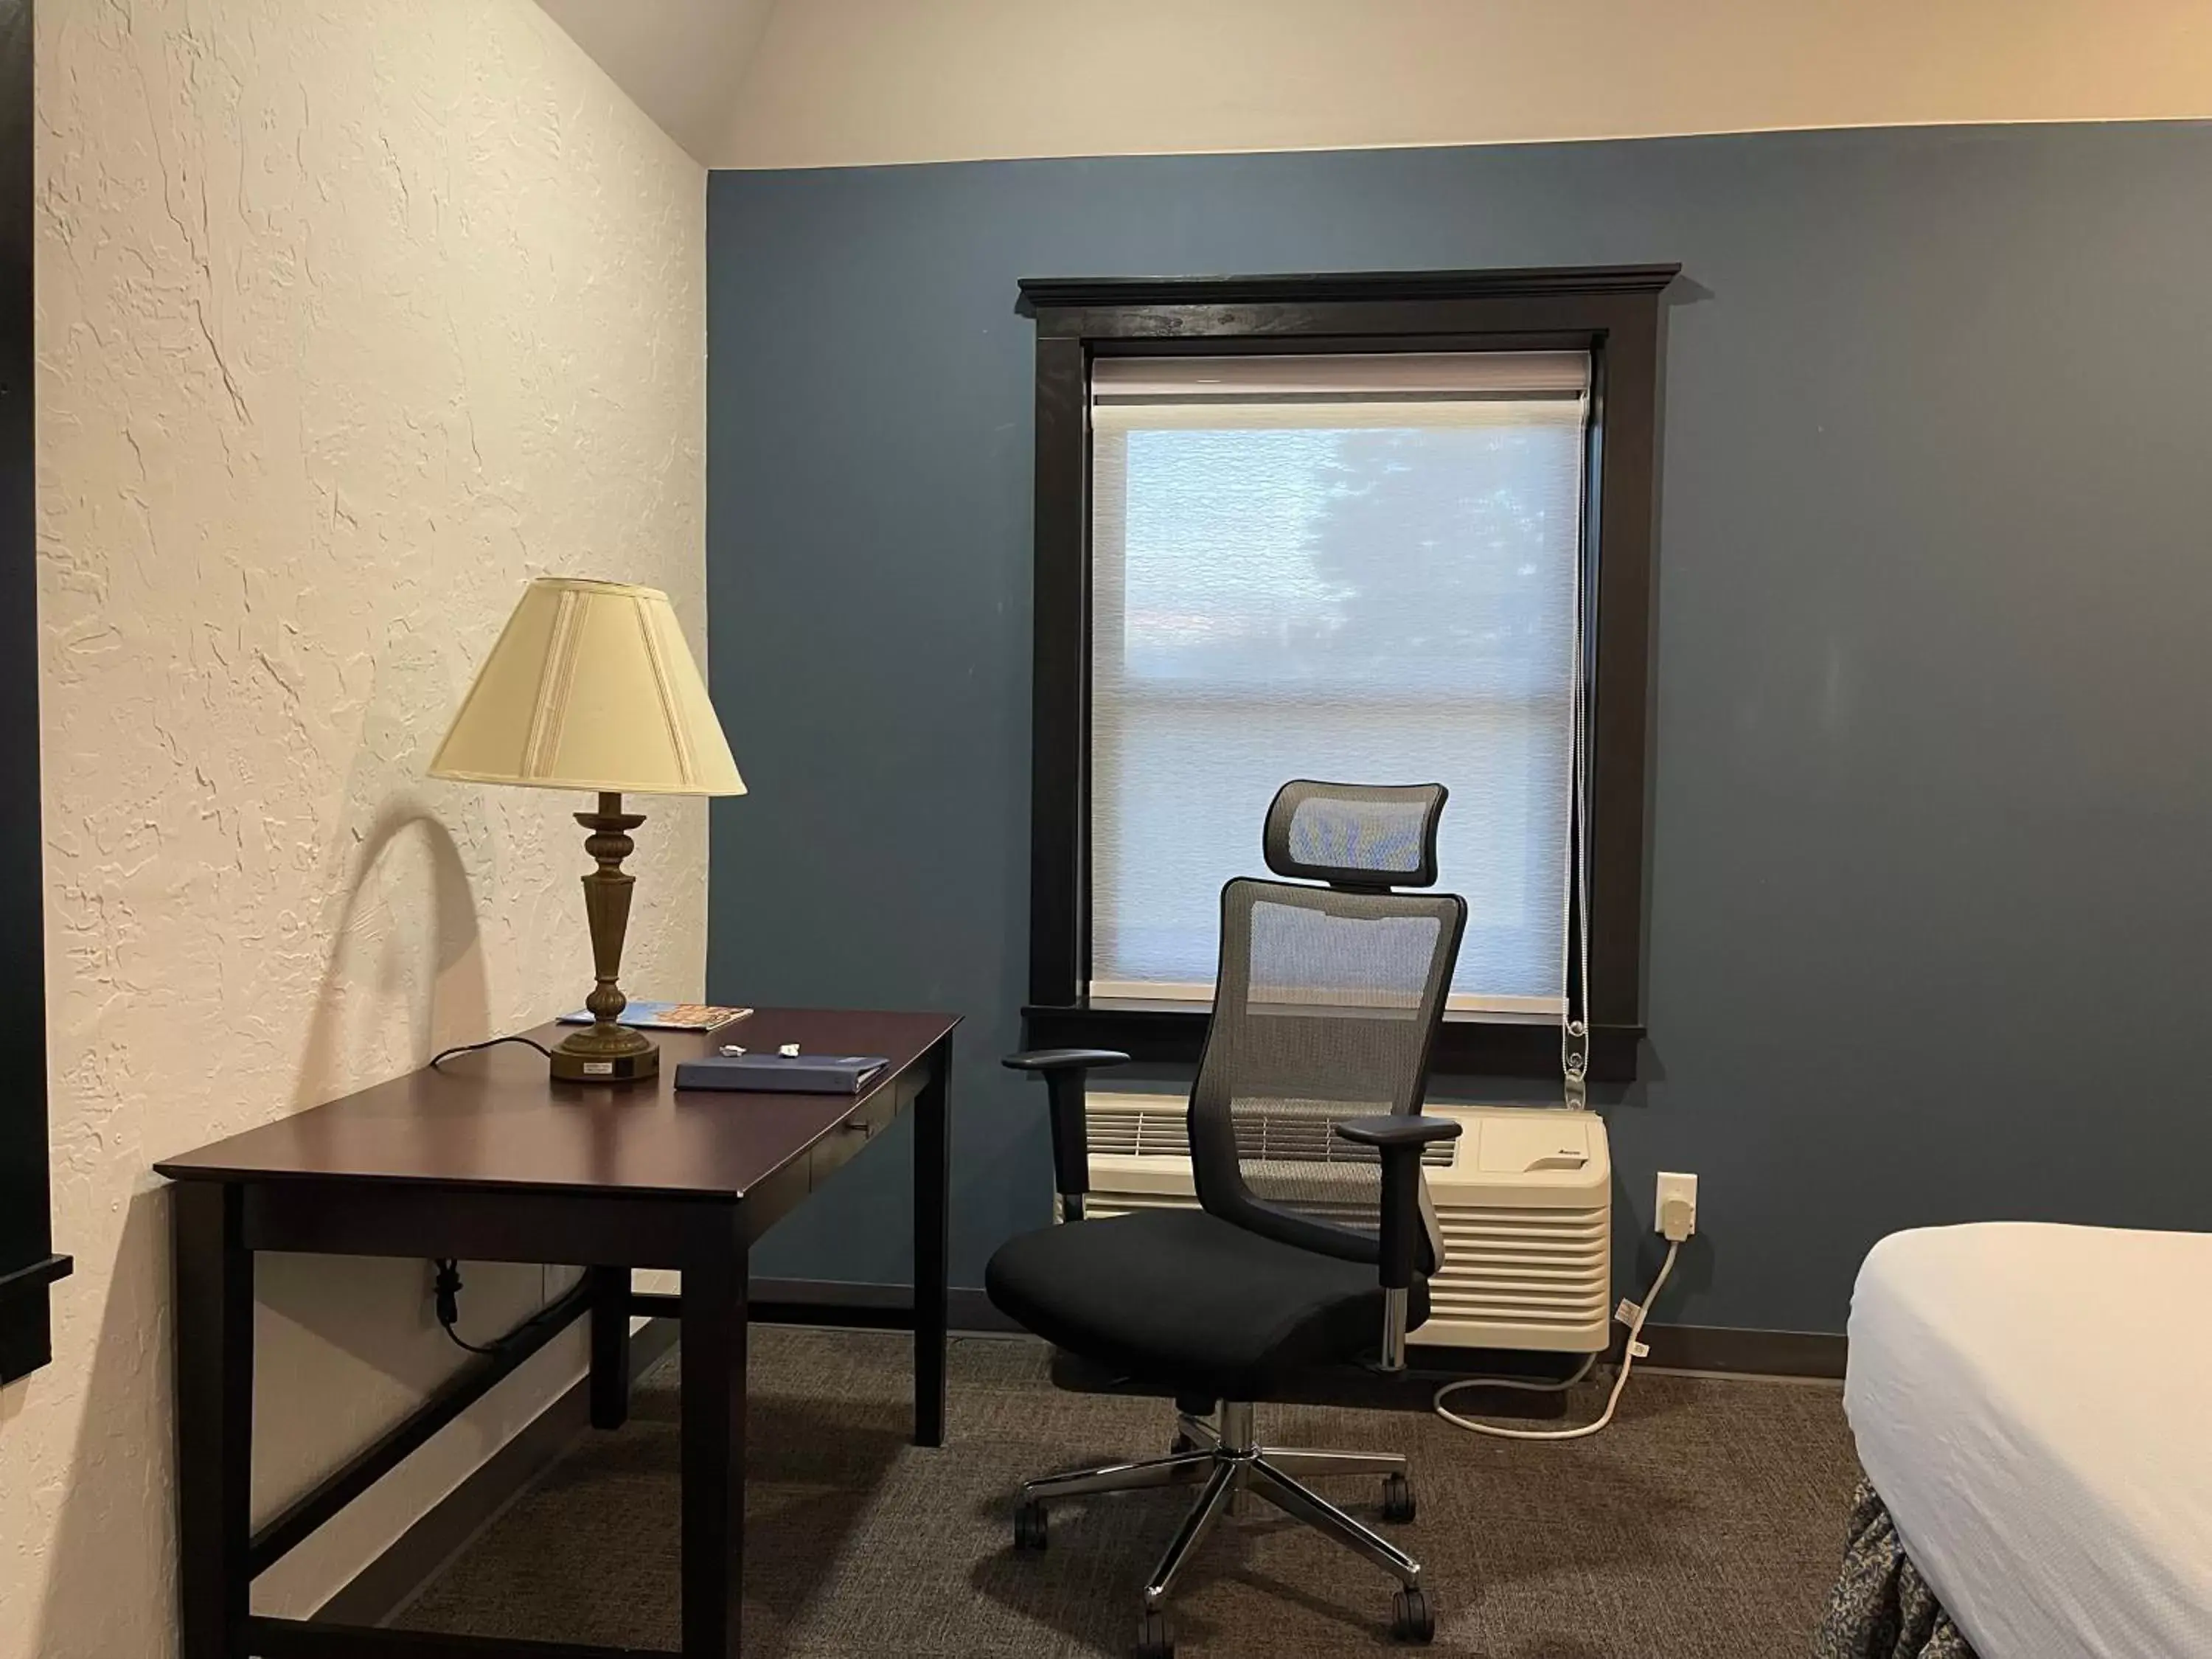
1611, 311
28, 1267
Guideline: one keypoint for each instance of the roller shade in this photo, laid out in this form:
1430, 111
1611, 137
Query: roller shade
1358, 567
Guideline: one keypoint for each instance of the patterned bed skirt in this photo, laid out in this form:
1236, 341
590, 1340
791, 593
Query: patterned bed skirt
1882, 1607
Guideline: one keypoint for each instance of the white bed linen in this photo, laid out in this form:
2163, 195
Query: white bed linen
2034, 1405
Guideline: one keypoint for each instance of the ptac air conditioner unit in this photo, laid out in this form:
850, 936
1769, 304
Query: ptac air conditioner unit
1524, 1198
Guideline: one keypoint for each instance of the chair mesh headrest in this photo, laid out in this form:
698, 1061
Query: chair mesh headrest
1355, 834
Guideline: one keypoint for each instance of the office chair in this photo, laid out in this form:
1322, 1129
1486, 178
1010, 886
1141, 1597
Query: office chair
1314, 1238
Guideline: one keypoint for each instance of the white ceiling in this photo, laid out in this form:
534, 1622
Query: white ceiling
783, 84
680, 61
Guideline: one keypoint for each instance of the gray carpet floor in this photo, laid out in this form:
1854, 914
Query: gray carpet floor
1705, 1524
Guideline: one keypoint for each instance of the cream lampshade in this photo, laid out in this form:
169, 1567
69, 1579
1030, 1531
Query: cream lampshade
592, 687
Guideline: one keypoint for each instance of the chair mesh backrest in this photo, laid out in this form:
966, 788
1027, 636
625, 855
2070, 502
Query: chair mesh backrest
1325, 1006
1355, 834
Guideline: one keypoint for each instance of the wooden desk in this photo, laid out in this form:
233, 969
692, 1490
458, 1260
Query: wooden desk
487, 1159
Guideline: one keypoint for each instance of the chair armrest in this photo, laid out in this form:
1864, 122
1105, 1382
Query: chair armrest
1058, 1060
1399, 1139
1064, 1071
1397, 1130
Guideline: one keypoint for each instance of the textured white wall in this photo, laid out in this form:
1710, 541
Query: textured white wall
352, 315
834, 83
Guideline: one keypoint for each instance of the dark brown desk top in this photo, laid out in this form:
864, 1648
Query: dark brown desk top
495, 1119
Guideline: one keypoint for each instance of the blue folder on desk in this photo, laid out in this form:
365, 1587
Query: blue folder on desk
795, 1074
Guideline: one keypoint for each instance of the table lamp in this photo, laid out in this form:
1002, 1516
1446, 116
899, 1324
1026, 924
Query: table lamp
590, 687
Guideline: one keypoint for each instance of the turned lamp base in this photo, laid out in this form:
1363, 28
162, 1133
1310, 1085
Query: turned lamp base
579, 1059
605, 1051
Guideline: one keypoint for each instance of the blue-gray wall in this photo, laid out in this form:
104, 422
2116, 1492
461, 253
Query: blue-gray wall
1932, 787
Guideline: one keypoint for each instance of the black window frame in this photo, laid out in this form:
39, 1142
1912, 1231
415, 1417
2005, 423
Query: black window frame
1613, 312
28, 1265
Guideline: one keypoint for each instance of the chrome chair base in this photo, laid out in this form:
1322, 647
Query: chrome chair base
1224, 1461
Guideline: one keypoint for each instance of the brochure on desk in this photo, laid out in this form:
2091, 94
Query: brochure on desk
668, 1016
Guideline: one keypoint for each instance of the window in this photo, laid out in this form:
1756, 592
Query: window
1356, 567
1376, 528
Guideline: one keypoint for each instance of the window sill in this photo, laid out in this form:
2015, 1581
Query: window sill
1467, 1044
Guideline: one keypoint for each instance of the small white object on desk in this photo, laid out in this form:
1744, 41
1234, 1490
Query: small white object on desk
731, 1050
789, 1051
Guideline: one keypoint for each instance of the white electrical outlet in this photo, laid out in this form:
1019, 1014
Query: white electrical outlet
1679, 1192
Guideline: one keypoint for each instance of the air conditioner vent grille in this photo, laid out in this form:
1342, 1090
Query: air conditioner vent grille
1118, 1129
1488, 1275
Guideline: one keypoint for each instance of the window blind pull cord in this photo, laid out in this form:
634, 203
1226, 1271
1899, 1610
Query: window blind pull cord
1574, 1068
1574, 1020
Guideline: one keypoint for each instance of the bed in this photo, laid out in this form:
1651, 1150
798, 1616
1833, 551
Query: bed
2033, 1418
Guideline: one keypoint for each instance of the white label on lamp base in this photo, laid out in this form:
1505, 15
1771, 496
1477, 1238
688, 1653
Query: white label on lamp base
598, 1068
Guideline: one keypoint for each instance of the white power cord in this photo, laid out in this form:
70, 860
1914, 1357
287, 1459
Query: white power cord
1676, 1225
1523, 1384
1678, 1219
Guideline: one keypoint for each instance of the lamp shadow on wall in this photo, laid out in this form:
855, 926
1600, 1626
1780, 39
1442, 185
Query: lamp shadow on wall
414, 972
349, 1343
340, 1299
404, 970
404, 975
457, 1000
362, 1312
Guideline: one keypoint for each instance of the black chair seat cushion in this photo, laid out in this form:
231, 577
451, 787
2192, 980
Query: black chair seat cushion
1183, 1298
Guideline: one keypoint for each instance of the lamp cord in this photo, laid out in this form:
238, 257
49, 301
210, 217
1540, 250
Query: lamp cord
489, 1042
447, 1292
447, 1288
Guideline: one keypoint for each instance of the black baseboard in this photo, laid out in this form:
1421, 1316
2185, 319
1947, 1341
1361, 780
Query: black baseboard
1744, 1352
387, 1583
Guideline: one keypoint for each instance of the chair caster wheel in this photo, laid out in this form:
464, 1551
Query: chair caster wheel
1155, 1636
1029, 1528
1411, 1618
1397, 1498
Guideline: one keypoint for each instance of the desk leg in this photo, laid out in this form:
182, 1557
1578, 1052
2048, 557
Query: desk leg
214, 1317
932, 1129
713, 1361
610, 1346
